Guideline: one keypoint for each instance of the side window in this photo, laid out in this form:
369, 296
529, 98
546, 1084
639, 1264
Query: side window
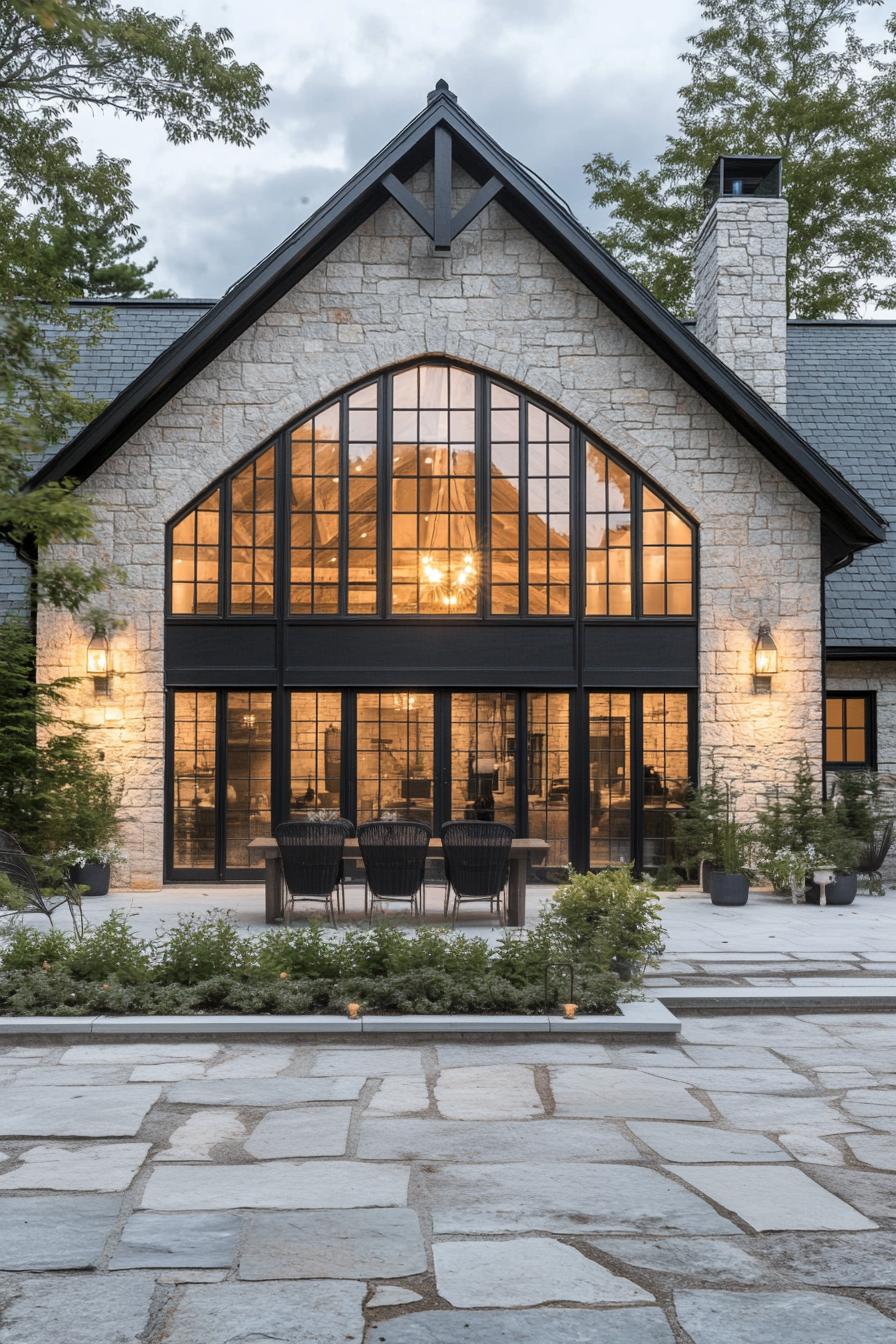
849, 730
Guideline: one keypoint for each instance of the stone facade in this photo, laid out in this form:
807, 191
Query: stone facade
741, 291
500, 300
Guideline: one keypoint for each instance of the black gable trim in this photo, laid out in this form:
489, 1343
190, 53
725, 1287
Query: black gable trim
850, 522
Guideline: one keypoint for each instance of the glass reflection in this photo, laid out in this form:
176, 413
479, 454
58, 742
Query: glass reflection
608, 536
252, 537
395, 756
610, 793
194, 779
483, 756
547, 777
247, 812
665, 771
315, 751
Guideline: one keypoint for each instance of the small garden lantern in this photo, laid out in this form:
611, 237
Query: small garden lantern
765, 660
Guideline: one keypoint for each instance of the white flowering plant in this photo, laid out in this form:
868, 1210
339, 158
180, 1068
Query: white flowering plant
71, 857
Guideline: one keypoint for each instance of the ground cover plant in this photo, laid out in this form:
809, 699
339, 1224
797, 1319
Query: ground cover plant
606, 925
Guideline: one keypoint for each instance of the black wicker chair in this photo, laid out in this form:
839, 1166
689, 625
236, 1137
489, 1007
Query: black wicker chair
311, 853
477, 863
15, 865
394, 854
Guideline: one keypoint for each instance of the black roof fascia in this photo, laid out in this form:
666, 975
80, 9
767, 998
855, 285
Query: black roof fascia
850, 521
860, 652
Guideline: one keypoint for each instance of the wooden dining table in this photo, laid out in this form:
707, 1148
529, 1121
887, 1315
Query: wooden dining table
521, 852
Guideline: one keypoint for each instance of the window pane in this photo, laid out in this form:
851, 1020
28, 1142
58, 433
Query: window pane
504, 488
435, 562
252, 537
314, 505
395, 756
315, 758
548, 469
608, 525
195, 738
547, 778
247, 812
362, 500
665, 771
195, 555
483, 758
667, 559
609, 757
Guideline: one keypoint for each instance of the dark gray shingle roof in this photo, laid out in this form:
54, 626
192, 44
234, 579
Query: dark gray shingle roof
841, 396
141, 329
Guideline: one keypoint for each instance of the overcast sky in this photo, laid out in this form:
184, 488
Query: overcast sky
552, 80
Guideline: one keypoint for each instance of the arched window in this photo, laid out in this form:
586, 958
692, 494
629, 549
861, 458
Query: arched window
434, 491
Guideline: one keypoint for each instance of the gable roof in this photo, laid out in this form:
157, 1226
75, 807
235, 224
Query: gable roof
841, 393
850, 523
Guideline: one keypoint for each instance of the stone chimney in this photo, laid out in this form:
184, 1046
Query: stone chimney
740, 273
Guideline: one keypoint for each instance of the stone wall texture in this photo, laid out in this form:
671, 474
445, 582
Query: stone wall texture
741, 291
502, 301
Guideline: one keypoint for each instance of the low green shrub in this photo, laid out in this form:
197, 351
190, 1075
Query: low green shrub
607, 920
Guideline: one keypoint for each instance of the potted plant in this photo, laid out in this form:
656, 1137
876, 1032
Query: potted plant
786, 870
858, 806
92, 828
89, 869
833, 865
730, 881
697, 829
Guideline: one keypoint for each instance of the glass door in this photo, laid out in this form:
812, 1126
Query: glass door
395, 756
547, 778
483, 757
247, 783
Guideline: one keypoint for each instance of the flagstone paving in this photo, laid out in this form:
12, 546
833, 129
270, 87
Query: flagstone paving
733, 1187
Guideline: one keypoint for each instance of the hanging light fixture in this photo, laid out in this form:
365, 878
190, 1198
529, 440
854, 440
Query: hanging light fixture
98, 661
765, 660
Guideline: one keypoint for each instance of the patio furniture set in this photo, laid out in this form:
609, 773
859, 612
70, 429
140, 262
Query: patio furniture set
479, 862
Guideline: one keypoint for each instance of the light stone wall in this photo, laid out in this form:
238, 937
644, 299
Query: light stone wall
880, 677
502, 301
741, 291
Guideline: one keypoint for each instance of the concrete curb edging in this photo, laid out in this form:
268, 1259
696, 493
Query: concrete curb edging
642, 1018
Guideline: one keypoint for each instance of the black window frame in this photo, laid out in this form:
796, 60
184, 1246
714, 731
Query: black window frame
869, 698
580, 434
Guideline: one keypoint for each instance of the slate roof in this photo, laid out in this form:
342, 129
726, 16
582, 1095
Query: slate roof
841, 396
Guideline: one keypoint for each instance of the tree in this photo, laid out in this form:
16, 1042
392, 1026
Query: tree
61, 215
100, 263
786, 77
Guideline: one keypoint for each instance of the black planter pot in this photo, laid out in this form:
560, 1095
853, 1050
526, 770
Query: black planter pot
842, 891
93, 876
707, 868
729, 888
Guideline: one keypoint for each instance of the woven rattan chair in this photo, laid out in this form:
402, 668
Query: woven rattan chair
477, 864
311, 853
394, 854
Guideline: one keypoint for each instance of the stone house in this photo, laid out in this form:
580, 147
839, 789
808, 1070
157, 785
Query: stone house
438, 512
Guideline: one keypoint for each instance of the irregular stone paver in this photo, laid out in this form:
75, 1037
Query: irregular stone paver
327, 1312
399, 1096
356, 1244
851, 1259
175, 1071
391, 1296
137, 1052
813, 1149
262, 1061
587, 1091
495, 1141
523, 1272
872, 1192
722, 1259
55, 1231
76, 1112
81, 1309
797, 1318
769, 1081
734, 1056
699, 1143
263, 1091
528, 1052
197, 1240
874, 1150
505, 1091
86, 1075
780, 1115
110, 1166
315, 1131
736, 1030
566, 1197
870, 1104
548, 1325
276, 1185
771, 1198
372, 1062
200, 1134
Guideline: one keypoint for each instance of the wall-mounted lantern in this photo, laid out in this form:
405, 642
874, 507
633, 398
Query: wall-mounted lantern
98, 661
765, 660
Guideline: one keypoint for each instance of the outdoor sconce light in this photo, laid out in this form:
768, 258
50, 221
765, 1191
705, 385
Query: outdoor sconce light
98, 661
765, 660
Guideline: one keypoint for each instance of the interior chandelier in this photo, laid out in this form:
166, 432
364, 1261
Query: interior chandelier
451, 583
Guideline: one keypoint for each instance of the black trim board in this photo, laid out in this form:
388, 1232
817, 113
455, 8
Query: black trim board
850, 522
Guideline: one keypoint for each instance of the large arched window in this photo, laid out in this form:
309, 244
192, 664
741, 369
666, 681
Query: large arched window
434, 491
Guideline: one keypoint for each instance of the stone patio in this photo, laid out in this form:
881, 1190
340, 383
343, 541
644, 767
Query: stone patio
736, 1186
